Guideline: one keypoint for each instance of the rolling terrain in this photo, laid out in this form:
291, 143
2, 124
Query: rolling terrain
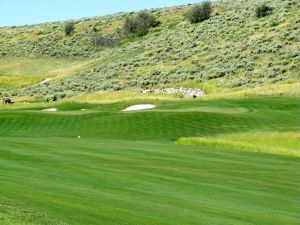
127, 169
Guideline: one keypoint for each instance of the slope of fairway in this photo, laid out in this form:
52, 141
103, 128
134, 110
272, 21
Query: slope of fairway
122, 182
170, 121
127, 169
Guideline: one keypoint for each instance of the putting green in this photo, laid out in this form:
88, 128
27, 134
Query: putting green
127, 168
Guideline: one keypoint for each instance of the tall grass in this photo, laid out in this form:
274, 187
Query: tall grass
283, 143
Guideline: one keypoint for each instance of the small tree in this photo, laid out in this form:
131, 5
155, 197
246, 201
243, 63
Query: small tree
263, 10
199, 12
139, 24
69, 28
148, 18
130, 25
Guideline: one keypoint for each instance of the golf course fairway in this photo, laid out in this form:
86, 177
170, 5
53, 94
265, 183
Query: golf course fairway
129, 168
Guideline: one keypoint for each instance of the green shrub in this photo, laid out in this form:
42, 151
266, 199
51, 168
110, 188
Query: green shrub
199, 12
139, 24
263, 10
69, 28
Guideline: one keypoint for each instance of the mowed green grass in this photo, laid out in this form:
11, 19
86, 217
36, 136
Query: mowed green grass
127, 168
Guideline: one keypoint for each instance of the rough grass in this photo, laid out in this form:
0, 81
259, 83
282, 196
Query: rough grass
265, 142
126, 169
280, 89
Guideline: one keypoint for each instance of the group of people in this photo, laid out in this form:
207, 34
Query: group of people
7, 101
52, 99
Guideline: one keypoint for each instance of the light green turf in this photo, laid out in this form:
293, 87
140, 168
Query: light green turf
32, 66
127, 169
267, 142
21, 72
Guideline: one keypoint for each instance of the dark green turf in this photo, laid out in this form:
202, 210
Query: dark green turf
126, 168
261, 114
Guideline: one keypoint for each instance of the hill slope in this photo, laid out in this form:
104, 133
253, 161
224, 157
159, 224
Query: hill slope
231, 49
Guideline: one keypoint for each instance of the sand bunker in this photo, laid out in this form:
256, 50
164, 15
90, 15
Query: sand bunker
139, 107
50, 110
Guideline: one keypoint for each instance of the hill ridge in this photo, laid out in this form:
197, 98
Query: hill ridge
231, 49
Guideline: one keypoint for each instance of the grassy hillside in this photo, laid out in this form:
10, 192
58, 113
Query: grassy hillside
231, 49
16, 73
127, 169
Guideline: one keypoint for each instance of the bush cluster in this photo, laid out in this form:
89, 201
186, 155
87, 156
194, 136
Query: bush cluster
139, 24
263, 10
199, 12
69, 28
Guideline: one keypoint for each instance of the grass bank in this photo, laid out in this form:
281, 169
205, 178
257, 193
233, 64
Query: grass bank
264, 142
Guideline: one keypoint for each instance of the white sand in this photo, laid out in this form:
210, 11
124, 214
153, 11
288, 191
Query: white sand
50, 110
139, 107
